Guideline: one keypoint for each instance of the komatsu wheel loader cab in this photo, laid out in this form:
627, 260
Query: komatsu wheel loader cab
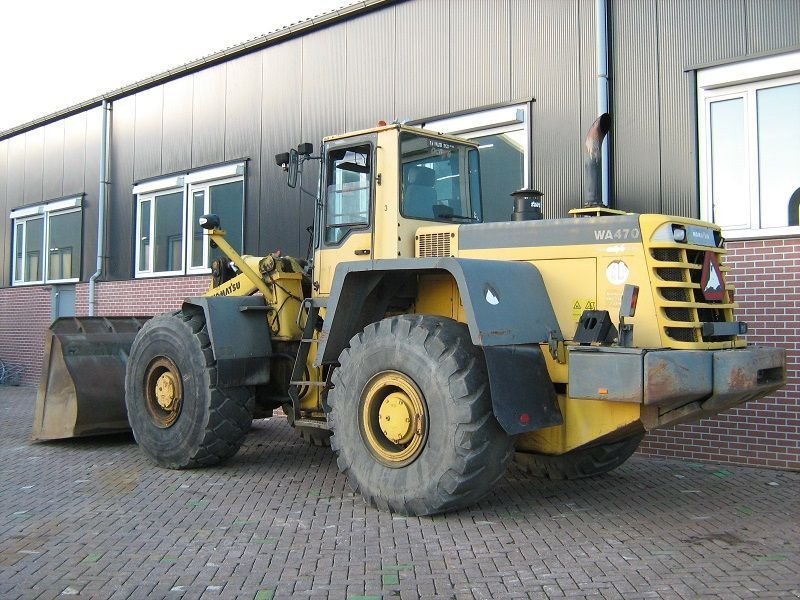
429, 348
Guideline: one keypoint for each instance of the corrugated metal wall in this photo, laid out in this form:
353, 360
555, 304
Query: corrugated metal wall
412, 60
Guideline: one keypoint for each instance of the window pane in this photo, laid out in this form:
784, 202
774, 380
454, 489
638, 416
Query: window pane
144, 235
348, 181
168, 247
19, 235
34, 243
198, 209
64, 245
502, 172
729, 164
227, 201
779, 154
437, 178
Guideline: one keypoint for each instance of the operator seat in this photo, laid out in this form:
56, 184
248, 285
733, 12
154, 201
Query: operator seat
420, 195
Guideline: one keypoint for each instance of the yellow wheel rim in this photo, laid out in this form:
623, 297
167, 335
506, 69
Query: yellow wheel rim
393, 419
163, 392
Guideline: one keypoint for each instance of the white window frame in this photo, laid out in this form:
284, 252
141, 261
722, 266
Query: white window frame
24, 215
186, 184
490, 122
205, 187
733, 81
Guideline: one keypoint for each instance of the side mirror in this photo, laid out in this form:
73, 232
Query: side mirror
293, 168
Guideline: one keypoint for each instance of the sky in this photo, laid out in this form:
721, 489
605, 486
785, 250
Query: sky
57, 53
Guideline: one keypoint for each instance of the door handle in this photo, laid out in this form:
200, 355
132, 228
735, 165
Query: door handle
364, 252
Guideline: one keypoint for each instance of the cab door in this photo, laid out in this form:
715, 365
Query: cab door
345, 222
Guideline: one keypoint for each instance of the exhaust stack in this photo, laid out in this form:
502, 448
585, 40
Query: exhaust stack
593, 162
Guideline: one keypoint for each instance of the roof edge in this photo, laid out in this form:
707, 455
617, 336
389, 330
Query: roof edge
269, 39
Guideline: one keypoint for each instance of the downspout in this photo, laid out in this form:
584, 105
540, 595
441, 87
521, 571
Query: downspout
102, 195
603, 94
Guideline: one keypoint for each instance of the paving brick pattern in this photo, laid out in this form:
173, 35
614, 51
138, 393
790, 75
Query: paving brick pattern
92, 519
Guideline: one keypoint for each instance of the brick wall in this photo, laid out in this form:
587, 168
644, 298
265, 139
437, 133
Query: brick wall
139, 297
24, 316
766, 274
25, 312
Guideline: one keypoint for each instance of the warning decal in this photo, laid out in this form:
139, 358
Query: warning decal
581, 304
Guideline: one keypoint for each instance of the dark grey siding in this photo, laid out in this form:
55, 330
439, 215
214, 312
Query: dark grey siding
208, 116
412, 60
75, 155
5, 248
243, 132
636, 127
545, 63
423, 58
369, 86
480, 57
53, 168
147, 133
34, 165
176, 151
91, 189
279, 207
121, 210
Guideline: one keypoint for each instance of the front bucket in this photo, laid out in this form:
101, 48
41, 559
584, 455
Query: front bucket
82, 390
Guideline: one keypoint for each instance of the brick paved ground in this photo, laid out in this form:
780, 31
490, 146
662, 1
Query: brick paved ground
91, 518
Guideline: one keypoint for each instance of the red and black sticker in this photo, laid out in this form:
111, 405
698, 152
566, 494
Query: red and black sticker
711, 281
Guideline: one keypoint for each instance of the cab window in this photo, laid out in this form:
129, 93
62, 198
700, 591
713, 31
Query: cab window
348, 178
440, 179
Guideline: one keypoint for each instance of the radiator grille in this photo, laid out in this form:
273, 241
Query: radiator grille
677, 272
436, 244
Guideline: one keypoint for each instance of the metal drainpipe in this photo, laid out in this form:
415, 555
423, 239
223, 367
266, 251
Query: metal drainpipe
101, 204
603, 95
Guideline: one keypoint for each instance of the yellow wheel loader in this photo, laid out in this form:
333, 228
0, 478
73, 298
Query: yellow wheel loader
429, 348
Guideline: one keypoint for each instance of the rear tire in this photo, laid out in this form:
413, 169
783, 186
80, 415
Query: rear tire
180, 417
412, 418
582, 462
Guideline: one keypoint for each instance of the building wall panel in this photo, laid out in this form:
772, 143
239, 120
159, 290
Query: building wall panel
279, 206
75, 153
53, 167
588, 63
16, 171
34, 165
91, 189
208, 116
176, 145
243, 107
323, 99
371, 61
148, 134
5, 230
772, 24
636, 127
121, 208
243, 134
690, 32
423, 59
545, 60
480, 58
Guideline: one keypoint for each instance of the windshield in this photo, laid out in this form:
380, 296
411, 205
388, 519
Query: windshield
440, 179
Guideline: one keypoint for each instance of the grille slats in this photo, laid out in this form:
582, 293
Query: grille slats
683, 307
433, 245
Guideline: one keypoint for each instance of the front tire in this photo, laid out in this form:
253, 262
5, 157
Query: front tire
179, 416
412, 418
